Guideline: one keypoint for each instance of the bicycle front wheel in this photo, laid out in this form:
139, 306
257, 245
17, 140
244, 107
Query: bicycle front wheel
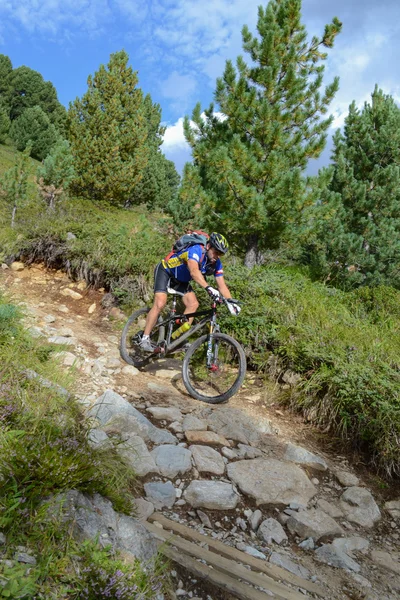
131, 335
225, 374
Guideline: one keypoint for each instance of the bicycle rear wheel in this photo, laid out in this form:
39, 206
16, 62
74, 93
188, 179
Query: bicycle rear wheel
223, 378
130, 338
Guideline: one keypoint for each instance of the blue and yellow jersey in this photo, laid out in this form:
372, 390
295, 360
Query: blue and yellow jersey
176, 264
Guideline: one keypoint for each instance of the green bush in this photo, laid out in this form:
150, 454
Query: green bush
346, 346
44, 450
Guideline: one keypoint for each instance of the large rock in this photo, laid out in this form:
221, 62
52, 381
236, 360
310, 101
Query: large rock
340, 553
206, 437
272, 531
302, 456
166, 413
120, 416
393, 508
386, 561
124, 425
160, 494
346, 478
93, 517
192, 423
271, 481
214, 495
135, 452
313, 523
234, 424
283, 561
207, 460
360, 507
172, 460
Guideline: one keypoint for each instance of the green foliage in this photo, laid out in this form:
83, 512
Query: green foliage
34, 128
4, 124
349, 358
44, 450
5, 72
15, 582
56, 173
26, 89
250, 156
103, 576
58, 168
355, 227
14, 184
184, 207
108, 134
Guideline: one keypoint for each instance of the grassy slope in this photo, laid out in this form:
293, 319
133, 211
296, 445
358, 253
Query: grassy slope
44, 450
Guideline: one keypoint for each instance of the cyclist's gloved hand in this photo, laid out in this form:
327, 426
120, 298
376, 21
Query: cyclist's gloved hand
213, 293
233, 306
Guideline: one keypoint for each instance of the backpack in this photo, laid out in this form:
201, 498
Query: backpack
187, 240
190, 239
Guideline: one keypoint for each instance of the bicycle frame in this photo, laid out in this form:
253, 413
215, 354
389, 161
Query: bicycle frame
210, 317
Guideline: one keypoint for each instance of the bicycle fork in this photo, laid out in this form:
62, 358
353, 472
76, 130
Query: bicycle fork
212, 349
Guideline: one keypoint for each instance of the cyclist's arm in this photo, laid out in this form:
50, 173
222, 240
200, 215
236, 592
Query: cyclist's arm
222, 287
195, 273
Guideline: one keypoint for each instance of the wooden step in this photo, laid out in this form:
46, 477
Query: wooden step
228, 567
274, 572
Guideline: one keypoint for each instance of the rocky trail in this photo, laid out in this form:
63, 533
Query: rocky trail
246, 474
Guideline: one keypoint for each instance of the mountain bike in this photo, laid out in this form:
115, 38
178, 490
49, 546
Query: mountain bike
214, 365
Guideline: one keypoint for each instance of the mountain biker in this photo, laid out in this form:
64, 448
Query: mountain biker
178, 270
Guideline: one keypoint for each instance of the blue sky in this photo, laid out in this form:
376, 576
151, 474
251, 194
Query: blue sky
179, 47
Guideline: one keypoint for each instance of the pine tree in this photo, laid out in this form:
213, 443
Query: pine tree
160, 180
14, 184
33, 128
184, 207
357, 220
4, 124
56, 173
108, 134
5, 72
252, 158
26, 89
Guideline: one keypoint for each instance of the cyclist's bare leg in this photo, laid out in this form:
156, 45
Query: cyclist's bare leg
191, 304
160, 300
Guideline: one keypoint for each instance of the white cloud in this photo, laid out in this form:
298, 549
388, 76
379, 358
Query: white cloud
174, 136
56, 17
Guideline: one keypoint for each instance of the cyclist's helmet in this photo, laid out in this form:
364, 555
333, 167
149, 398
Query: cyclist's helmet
218, 241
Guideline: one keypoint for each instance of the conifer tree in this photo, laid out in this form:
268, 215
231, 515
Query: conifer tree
56, 173
108, 134
357, 221
14, 184
4, 124
5, 72
251, 159
184, 207
33, 128
26, 89
160, 180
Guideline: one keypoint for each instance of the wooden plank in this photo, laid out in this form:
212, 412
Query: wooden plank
215, 577
227, 566
273, 571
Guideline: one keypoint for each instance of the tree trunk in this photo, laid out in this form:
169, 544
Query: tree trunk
253, 256
14, 210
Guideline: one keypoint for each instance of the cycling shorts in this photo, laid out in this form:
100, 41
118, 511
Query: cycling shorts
163, 280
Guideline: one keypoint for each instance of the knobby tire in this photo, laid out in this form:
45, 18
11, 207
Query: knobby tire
195, 387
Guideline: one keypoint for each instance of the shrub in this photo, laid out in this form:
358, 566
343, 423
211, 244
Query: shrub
346, 346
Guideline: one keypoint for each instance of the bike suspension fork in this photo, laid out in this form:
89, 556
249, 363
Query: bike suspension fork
212, 348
